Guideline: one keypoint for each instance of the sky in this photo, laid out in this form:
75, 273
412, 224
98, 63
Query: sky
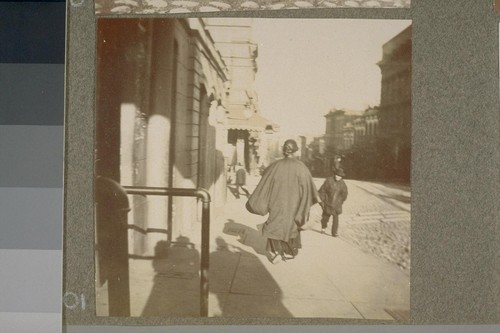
308, 66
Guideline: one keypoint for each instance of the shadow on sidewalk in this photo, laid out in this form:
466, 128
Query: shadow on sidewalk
235, 191
247, 236
176, 288
240, 285
243, 287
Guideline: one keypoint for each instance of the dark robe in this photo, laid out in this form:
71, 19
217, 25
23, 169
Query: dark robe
286, 192
241, 177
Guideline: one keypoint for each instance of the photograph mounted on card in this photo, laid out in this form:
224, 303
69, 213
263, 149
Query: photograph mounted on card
116, 7
253, 168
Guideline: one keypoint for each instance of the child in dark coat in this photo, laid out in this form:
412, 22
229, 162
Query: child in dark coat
241, 180
333, 193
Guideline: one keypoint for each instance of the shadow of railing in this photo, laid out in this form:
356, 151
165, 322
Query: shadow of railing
176, 284
242, 285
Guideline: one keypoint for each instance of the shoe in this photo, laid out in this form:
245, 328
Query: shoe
323, 231
335, 235
276, 258
288, 257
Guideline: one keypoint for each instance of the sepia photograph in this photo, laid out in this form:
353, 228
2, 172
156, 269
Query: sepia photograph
253, 168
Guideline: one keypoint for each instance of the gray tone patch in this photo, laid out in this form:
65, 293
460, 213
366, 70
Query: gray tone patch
287, 329
31, 218
32, 33
31, 281
32, 94
23, 322
31, 156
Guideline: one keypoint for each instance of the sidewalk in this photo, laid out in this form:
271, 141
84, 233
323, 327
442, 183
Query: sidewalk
328, 279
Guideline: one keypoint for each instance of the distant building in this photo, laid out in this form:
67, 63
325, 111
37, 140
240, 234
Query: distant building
360, 145
376, 144
349, 135
352, 135
314, 156
305, 153
371, 120
361, 130
336, 120
394, 135
245, 125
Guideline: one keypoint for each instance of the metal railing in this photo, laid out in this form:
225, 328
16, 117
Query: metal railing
205, 229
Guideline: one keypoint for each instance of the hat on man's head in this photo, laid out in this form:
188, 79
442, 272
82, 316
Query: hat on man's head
336, 167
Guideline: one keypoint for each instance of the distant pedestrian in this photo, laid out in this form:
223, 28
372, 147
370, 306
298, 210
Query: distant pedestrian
333, 193
230, 174
286, 191
241, 179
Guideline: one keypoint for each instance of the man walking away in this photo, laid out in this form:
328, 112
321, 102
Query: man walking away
333, 193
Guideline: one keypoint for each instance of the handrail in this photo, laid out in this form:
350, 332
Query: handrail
205, 229
166, 191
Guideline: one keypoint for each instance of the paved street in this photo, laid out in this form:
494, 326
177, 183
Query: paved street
368, 197
330, 278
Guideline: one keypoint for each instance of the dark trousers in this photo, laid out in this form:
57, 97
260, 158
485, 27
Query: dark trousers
335, 218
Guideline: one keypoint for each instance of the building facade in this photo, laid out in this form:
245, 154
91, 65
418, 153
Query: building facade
394, 137
160, 99
248, 132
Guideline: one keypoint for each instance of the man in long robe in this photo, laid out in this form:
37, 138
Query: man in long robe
286, 192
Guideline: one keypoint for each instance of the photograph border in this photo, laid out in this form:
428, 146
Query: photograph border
432, 157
